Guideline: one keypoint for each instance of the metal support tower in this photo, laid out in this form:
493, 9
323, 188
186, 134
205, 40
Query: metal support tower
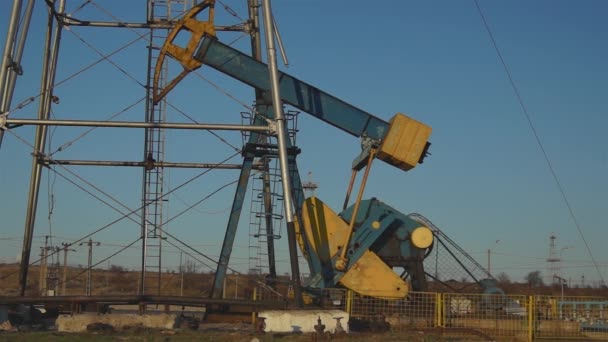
309, 186
553, 261
162, 15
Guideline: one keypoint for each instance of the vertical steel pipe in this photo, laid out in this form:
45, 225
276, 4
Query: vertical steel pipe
17, 55
11, 37
256, 53
53, 37
7, 58
282, 137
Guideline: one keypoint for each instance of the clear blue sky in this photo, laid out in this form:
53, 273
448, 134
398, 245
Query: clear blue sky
486, 180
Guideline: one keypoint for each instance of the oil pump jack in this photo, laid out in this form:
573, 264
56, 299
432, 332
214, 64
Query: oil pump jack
355, 248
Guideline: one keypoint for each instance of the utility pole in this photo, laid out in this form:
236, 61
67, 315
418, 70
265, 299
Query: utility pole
52, 279
41, 272
489, 262
65, 267
236, 286
42, 276
181, 269
553, 261
90, 243
489, 256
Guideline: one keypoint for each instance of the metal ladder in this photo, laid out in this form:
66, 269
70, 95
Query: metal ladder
266, 187
158, 11
263, 217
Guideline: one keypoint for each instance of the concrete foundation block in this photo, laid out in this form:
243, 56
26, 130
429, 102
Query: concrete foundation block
303, 321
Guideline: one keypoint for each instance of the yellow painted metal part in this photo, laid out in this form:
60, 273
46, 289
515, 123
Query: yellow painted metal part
405, 142
370, 276
422, 237
189, 24
325, 231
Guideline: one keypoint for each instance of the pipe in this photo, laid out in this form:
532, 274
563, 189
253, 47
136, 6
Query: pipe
142, 164
52, 40
282, 137
112, 24
341, 262
11, 35
280, 42
353, 176
18, 54
132, 124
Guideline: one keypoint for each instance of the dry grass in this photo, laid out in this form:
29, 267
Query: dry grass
118, 281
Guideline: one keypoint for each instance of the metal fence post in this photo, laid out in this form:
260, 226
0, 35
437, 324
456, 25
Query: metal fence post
531, 318
438, 305
349, 300
253, 313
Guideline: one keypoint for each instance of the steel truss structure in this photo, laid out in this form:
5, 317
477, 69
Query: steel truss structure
162, 17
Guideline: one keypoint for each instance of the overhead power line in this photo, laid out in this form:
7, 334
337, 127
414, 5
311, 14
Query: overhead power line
524, 110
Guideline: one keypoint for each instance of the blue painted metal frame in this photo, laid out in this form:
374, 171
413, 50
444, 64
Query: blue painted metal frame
297, 93
233, 220
239, 197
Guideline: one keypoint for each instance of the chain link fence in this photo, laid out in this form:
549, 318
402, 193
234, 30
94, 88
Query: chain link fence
496, 317
571, 317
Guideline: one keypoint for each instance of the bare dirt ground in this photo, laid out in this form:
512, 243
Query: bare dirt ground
226, 336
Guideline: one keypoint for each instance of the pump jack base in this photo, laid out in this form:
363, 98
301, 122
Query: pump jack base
368, 275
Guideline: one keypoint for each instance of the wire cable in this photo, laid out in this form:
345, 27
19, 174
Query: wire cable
124, 215
77, 9
86, 132
220, 89
118, 67
106, 57
537, 138
199, 202
31, 99
230, 11
210, 131
122, 70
